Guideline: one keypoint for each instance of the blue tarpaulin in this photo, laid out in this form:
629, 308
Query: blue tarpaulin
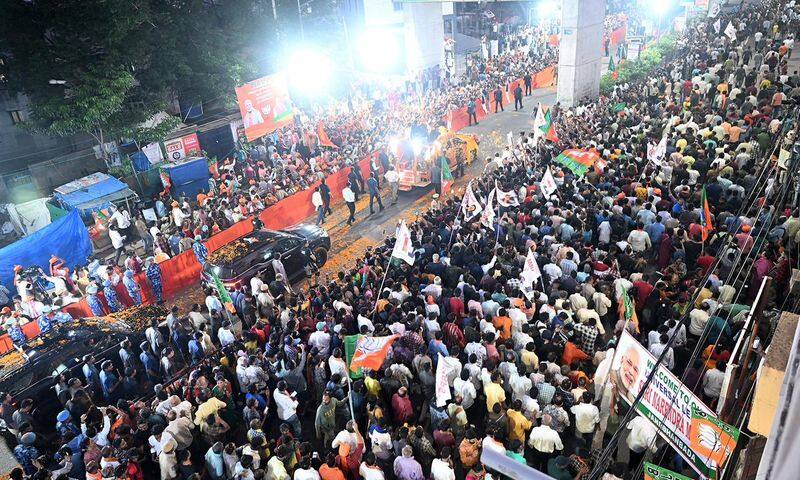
66, 238
91, 192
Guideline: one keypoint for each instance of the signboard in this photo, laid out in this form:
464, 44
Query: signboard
667, 402
654, 472
265, 105
180, 148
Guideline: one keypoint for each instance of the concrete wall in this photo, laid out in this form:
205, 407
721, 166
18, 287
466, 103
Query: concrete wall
580, 50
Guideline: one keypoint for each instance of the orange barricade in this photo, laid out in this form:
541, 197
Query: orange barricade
31, 329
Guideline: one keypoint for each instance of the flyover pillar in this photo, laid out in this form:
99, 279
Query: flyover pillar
580, 50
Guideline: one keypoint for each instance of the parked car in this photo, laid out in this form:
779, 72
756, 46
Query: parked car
302, 248
32, 372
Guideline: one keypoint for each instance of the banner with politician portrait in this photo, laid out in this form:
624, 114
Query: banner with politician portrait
265, 105
666, 402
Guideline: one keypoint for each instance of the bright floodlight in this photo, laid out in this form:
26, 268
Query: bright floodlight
547, 8
309, 71
658, 8
416, 146
379, 50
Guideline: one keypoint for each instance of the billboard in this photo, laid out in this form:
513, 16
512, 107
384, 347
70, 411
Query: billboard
667, 402
265, 105
180, 148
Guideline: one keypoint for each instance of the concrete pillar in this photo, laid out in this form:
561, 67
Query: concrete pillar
580, 50
424, 35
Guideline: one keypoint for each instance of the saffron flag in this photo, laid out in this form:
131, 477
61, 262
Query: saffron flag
447, 176
371, 352
712, 438
548, 128
488, 215
577, 160
324, 139
548, 184
506, 199
470, 206
403, 248
705, 215
224, 296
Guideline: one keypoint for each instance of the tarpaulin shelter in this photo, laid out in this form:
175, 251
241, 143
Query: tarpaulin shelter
91, 193
189, 176
66, 238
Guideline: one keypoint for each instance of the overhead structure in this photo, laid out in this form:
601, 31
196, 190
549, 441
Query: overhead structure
580, 50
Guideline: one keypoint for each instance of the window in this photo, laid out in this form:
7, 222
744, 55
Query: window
16, 116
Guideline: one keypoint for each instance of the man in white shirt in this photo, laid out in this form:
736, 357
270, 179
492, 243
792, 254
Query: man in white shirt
287, 407
639, 240
641, 438
658, 348
698, 318
544, 441
712, 383
393, 179
466, 389
587, 416
225, 334
350, 199
441, 468
319, 205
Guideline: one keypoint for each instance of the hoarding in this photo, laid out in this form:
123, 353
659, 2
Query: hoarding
265, 105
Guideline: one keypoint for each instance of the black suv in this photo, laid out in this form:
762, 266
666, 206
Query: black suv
300, 246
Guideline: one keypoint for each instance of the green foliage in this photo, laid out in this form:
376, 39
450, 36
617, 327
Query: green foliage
634, 70
118, 62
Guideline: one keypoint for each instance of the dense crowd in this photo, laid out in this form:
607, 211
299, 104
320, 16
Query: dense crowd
266, 392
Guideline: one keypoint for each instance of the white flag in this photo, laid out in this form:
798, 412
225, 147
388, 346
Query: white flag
507, 199
657, 152
530, 274
510, 138
717, 25
538, 122
714, 8
548, 184
445, 366
730, 31
487, 217
470, 206
403, 248
489, 265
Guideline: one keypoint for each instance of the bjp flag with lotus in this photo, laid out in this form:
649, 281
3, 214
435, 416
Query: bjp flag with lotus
371, 352
712, 438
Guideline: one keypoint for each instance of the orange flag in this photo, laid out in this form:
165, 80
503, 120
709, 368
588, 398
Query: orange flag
324, 139
371, 352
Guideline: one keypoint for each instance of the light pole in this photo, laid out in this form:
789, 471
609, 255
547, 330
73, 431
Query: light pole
300, 18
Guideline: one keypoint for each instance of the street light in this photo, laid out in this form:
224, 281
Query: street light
57, 82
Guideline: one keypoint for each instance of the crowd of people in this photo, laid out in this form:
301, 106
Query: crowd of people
266, 391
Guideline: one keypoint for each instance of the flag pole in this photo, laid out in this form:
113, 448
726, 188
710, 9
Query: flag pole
378, 293
350, 393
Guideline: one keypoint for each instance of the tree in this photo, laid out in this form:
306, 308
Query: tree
105, 67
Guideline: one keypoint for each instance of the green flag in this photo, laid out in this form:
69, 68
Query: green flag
350, 343
654, 472
611, 66
447, 175
618, 107
224, 296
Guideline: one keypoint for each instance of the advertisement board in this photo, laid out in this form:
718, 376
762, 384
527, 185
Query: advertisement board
667, 402
265, 105
654, 472
180, 148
